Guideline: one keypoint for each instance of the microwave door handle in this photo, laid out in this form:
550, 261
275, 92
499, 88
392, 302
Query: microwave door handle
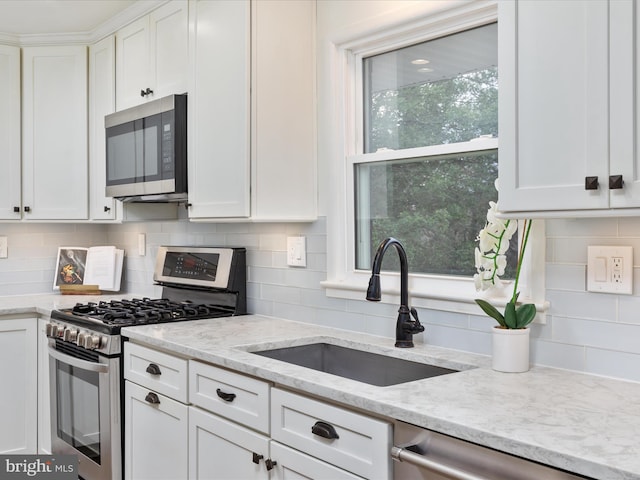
76, 362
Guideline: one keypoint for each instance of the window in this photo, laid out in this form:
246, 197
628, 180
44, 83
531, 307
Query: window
439, 92
419, 145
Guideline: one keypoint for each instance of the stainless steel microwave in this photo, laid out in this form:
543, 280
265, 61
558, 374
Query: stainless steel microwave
147, 151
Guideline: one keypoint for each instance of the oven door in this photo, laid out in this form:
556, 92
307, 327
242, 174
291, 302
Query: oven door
85, 410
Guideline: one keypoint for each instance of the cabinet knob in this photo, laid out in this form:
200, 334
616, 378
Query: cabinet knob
144, 93
107, 209
16, 209
152, 398
324, 430
590, 183
257, 457
27, 209
270, 464
615, 182
227, 397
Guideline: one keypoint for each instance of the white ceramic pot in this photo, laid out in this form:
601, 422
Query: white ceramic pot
510, 350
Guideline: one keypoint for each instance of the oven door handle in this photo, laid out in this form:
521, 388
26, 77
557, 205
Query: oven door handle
76, 362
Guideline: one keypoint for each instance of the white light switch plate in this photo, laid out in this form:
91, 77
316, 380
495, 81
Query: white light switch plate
297, 251
142, 244
610, 269
4, 249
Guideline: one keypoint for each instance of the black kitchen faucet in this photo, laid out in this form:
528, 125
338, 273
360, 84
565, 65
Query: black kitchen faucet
405, 327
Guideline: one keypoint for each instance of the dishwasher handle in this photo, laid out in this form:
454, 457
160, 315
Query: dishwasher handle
404, 455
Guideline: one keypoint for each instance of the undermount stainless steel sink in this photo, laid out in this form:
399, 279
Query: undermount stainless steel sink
367, 367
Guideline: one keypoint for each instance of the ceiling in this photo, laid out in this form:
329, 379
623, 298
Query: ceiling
34, 17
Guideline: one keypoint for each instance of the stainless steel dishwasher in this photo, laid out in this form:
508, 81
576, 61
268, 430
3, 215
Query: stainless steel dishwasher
424, 454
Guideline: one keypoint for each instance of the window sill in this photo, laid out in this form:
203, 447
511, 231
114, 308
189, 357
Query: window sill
457, 296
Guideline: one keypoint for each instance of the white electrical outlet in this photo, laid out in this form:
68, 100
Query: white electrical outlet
610, 269
297, 251
4, 249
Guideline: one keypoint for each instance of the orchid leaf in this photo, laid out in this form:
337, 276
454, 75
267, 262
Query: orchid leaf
491, 311
525, 314
510, 315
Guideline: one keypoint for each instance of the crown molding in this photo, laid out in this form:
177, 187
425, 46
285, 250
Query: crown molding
134, 12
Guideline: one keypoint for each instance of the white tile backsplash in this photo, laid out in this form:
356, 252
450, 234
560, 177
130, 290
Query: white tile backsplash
591, 332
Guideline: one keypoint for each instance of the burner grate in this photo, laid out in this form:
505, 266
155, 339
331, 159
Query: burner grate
142, 311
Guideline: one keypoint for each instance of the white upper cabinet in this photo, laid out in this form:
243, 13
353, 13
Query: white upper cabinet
252, 111
102, 101
10, 132
568, 106
152, 56
54, 133
219, 109
283, 110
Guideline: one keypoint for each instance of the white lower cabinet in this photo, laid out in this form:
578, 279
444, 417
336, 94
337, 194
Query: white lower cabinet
44, 396
221, 449
293, 465
156, 435
233, 414
354, 442
190, 419
156, 425
19, 381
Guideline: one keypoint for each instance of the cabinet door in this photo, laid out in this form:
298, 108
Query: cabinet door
169, 31
220, 449
133, 63
44, 398
292, 465
102, 96
625, 107
19, 392
553, 104
156, 436
9, 131
283, 111
152, 53
219, 174
54, 162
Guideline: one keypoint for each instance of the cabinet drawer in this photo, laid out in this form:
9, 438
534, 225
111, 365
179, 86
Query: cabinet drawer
156, 371
231, 395
362, 445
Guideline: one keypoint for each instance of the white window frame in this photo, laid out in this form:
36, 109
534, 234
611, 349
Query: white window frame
449, 293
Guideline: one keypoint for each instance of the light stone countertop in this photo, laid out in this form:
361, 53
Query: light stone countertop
581, 423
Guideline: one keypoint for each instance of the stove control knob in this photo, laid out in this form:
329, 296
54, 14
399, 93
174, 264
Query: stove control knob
92, 342
70, 335
80, 339
49, 330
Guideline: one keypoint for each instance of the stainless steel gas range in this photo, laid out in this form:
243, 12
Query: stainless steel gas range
85, 349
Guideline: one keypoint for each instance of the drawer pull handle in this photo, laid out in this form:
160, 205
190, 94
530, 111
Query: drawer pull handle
257, 457
227, 397
270, 464
153, 369
324, 430
152, 398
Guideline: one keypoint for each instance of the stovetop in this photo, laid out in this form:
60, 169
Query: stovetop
110, 316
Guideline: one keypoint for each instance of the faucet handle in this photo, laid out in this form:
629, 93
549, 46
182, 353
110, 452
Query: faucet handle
417, 326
